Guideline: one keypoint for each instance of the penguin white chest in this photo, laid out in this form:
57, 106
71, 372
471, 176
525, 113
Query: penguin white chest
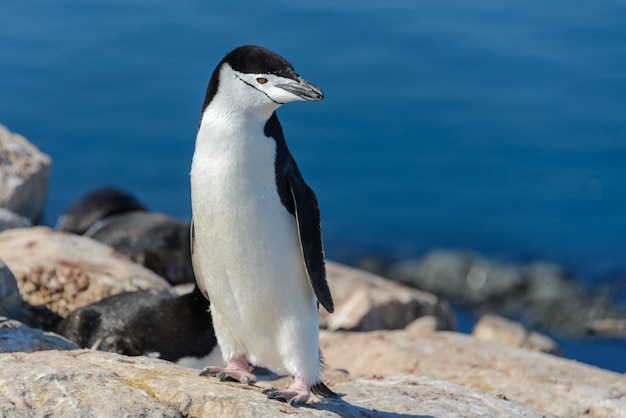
248, 247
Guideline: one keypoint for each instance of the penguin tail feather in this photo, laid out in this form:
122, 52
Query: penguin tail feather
320, 389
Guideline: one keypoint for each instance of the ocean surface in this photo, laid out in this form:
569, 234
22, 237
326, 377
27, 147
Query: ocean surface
493, 126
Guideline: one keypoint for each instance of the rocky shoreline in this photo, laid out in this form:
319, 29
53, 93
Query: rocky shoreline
541, 294
391, 348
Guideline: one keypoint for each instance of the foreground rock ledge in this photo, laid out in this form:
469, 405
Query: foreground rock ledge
541, 381
89, 383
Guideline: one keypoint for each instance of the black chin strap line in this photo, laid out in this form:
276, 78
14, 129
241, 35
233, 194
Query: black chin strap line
254, 87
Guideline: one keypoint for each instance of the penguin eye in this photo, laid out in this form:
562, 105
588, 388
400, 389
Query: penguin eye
261, 80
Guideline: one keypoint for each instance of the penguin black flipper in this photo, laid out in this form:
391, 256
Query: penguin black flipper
308, 220
300, 201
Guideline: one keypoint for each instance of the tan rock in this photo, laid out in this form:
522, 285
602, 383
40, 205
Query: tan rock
23, 175
543, 382
504, 331
65, 271
424, 325
365, 302
89, 383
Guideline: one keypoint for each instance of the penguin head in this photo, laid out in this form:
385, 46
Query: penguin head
255, 79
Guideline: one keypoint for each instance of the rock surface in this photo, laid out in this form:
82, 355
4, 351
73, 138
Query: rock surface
23, 175
15, 336
501, 330
543, 382
365, 302
84, 383
64, 271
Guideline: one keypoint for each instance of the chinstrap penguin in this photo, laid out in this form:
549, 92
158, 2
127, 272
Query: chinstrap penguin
256, 239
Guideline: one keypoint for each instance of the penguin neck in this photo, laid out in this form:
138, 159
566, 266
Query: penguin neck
231, 148
232, 120
231, 134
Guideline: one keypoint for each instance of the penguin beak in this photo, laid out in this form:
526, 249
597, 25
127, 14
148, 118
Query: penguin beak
303, 89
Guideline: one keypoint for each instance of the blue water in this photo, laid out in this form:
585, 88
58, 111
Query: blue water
495, 126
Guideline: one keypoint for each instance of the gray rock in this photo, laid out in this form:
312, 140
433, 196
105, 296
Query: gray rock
459, 276
15, 336
23, 175
365, 302
88, 383
542, 294
65, 271
539, 381
10, 220
504, 331
10, 301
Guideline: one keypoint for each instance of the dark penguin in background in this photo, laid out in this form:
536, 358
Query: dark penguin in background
144, 323
96, 206
256, 239
154, 240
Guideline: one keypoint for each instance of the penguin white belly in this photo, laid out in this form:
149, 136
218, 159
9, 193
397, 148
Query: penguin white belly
251, 262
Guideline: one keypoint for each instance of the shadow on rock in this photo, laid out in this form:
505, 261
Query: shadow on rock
344, 409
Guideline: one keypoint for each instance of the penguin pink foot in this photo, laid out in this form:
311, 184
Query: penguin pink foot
237, 369
296, 394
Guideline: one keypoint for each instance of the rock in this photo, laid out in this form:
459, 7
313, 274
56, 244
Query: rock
557, 302
15, 336
424, 325
612, 328
460, 276
23, 175
504, 331
365, 302
84, 383
541, 293
10, 220
65, 271
543, 382
10, 301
